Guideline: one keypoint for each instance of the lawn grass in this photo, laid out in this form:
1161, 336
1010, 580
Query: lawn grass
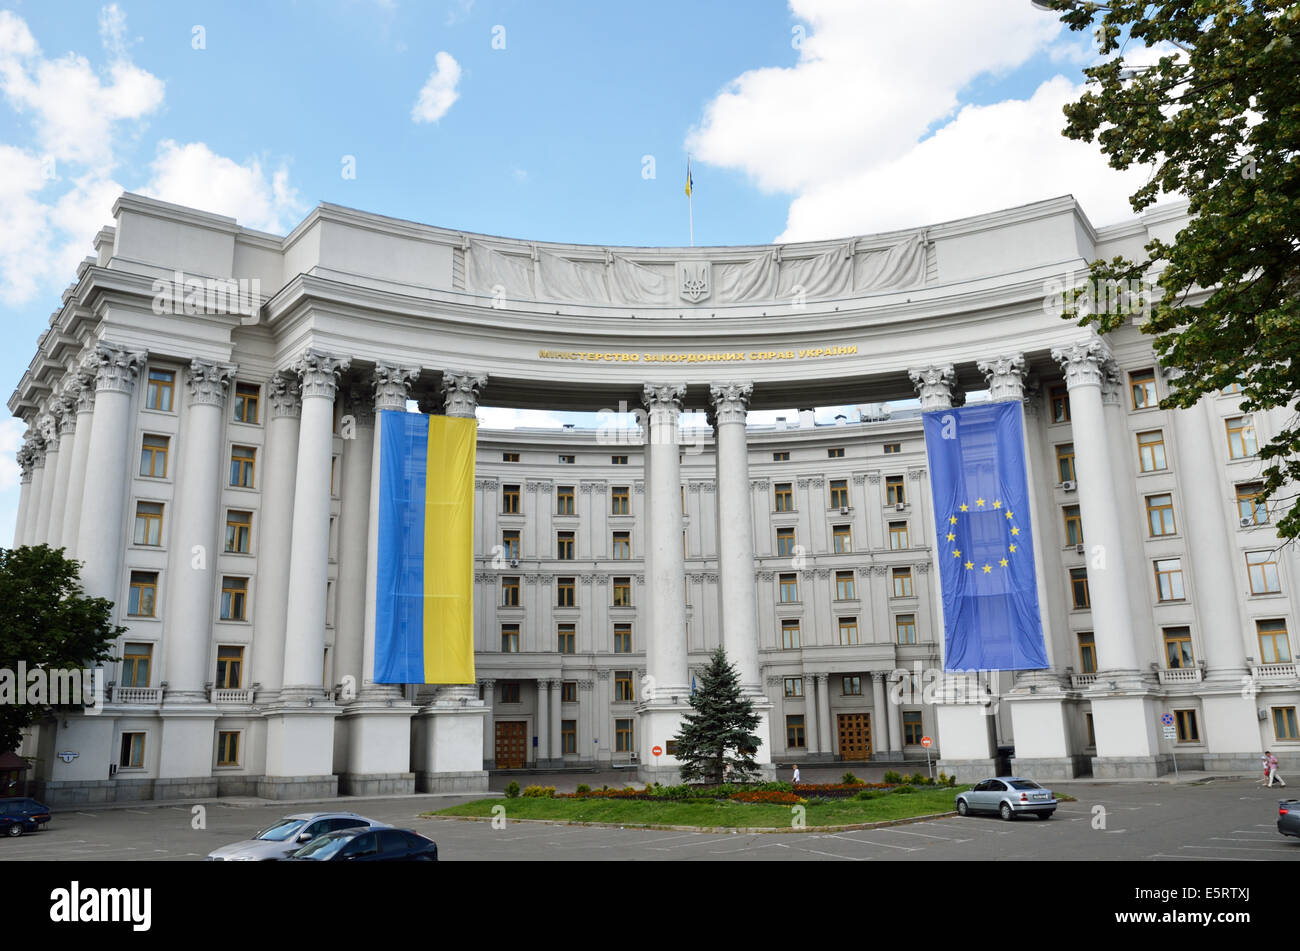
714, 814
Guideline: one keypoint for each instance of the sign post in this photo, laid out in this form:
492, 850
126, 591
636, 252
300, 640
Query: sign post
926, 741
1171, 733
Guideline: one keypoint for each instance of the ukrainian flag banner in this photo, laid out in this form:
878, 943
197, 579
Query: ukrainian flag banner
985, 540
424, 631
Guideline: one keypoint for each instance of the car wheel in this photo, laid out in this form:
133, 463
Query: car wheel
15, 830
962, 808
1006, 811
1044, 815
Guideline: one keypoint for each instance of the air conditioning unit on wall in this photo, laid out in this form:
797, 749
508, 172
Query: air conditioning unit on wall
1069, 485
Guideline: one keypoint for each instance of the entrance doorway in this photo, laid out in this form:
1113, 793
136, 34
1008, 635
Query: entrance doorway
511, 744
855, 735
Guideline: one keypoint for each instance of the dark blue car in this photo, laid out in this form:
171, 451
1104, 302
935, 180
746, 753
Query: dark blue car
368, 845
22, 815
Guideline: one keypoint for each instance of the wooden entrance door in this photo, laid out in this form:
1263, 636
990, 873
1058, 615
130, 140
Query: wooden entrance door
855, 735
511, 744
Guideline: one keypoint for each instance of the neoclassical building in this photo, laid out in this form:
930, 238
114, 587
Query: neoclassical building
201, 435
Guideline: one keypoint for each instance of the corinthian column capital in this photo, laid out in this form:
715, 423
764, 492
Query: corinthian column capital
730, 402
934, 385
1005, 376
393, 386
1083, 361
319, 373
206, 383
460, 392
285, 396
117, 368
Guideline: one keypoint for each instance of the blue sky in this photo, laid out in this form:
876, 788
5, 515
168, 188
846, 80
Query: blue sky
565, 121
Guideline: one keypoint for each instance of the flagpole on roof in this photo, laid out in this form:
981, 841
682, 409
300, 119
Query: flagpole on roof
690, 201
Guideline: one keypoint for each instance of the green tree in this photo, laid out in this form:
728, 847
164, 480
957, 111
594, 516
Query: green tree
48, 622
1217, 119
717, 740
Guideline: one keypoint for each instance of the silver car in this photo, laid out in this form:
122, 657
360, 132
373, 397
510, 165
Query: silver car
288, 835
1009, 796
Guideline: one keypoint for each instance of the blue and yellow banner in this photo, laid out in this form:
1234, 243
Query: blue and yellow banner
984, 538
424, 616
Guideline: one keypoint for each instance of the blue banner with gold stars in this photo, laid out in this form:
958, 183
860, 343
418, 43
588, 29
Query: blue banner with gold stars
984, 537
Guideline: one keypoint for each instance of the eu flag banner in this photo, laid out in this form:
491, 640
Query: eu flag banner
424, 619
984, 536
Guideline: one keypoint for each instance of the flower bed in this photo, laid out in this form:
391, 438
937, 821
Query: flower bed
770, 797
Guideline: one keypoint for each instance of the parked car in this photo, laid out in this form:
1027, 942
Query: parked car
1009, 796
291, 833
22, 815
369, 845
1288, 817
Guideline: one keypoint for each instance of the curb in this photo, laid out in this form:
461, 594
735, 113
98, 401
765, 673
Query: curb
715, 830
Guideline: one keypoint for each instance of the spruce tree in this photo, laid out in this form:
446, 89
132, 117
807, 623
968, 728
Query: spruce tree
716, 741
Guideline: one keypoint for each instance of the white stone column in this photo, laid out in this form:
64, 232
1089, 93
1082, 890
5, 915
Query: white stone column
26, 459
50, 434
666, 643
99, 536
278, 475
358, 429
557, 741
37, 445
195, 514
810, 715
895, 715
542, 751
80, 455
825, 729
66, 416
882, 739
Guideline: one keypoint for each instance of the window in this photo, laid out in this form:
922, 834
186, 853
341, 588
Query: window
893, 447
844, 586
618, 500
784, 497
564, 546
618, 460
510, 543
836, 453
1065, 462
227, 748
158, 394
622, 592
623, 686
239, 529
1151, 451
1241, 437
567, 638
153, 457
242, 464
564, 500
230, 668
509, 457
510, 692
247, 400
1274, 645
1284, 724
1262, 568
509, 500
568, 737
1160, 514
842, 539
510, 638
781, 456
902, 582
1169, 579
510, 591
1187, 732
851, 685
334, 477
1250, 505
132, 756
622, 545
848, 630
1142, 387
1060, 397
897, 536
564, 592
1087, 653
793, 686
135, 664
1073, 525
789, 634
143, 601
789, 586
794, 732
234, 599
623, 737
1178, 648
839, 493
622, 638
913, 729
566, 460
569, 691
895, 493
1079, 587
905, 628
785, 542
148, 523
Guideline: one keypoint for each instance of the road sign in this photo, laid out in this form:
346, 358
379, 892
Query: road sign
926, 741
1167, 719
656, 751
1171, 733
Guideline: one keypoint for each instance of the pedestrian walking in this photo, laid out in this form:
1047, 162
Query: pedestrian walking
795, 780
1271, 760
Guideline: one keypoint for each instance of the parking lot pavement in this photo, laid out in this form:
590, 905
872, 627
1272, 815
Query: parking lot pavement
1214, 821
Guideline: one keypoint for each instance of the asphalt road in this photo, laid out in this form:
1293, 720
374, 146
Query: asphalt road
1224, 820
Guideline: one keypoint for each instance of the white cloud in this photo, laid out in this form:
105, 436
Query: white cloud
500, 417
112, 30
439, 92
192, 174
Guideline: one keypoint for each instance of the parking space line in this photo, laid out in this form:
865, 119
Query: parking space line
925, 835
884, 845
1205, 858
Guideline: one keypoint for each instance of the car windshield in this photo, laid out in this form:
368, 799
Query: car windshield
282, 830
1024, 784
324, 846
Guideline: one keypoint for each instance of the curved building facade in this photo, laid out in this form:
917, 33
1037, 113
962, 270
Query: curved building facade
201, 434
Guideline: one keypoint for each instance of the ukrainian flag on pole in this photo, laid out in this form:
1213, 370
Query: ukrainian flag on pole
424, 618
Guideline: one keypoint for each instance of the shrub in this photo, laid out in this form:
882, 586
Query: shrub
583, 789
512, 790
539, 792
848, 779
869, 794
952, 780
943, 779
892, 776
901, 790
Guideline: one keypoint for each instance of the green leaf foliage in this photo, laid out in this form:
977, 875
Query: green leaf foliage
717, 739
